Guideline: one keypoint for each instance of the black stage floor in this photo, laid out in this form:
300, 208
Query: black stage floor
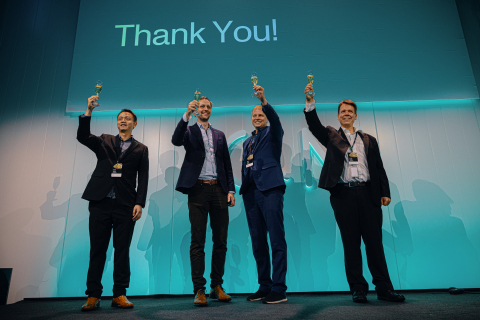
430, 305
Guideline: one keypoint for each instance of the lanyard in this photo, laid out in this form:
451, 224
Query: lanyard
355, 140
251, 144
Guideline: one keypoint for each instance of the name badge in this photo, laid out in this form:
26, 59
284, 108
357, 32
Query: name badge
249, 161
354, 171
116, 174
353, 158
117, 170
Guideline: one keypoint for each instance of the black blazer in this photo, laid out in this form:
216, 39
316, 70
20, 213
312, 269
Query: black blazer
336, 143
190, 137
107, 150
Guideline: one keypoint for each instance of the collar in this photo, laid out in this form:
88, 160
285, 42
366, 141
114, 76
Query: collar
259, 130
129, 139
202, 127
346, 131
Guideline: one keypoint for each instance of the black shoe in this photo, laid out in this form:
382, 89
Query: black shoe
274, 297
390, 295
259, 295
359, 297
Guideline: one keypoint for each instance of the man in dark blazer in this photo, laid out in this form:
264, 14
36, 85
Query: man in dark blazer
207, 177
353, 172
263, 188
114, 202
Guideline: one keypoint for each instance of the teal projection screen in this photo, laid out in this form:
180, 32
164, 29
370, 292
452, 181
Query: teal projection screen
155, 54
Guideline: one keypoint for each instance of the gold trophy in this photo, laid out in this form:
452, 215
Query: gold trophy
98, 89
310, 80
196, 97
254, 80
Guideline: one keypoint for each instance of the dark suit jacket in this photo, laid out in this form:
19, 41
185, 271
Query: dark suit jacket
107, 150
190, 137
266, 169
336, 143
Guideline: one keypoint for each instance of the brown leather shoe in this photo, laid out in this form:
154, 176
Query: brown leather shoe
219, 294
91, 304
200, 299
122, 303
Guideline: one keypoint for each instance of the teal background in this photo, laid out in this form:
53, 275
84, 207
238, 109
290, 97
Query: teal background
360, 50
428, 132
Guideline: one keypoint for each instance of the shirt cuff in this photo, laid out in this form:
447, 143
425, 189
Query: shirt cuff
185, 117
84, 116
309, 106
231, 192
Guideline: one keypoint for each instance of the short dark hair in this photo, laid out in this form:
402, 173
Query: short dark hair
129, 111
349, 102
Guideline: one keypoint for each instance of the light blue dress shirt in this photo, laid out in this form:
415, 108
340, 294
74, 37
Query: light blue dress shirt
209, 169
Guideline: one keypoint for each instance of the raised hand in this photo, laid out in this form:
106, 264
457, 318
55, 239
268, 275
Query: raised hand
192, 107
260, 94
308, 88
92, 104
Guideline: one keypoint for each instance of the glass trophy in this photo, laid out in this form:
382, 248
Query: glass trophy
196, 97
98, 89
310, 79
254, 80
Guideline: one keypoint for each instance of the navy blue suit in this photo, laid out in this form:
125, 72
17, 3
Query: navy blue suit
191, 138
263, 188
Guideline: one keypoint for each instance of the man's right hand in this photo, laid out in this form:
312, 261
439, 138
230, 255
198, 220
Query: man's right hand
309, 88
92, 103
192, 107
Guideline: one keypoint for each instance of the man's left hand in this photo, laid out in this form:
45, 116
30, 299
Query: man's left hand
137, 212
231, 200
260, 94
385, 201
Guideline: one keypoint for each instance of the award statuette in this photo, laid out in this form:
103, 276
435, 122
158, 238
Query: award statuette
98, 89
196, 97
310, 80
254, 80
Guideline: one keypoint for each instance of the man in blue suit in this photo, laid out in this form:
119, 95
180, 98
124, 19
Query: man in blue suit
263, 188
207, 177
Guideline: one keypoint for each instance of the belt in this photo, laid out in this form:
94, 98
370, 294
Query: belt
207, 181
355, 184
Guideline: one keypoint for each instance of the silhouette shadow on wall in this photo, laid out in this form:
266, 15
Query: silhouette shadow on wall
440, 247
400, 242
27, 247
72, 252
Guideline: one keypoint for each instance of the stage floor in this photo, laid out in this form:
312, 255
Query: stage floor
431, 305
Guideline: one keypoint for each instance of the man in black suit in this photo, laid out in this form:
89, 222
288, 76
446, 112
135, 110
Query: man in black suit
114, 202
353, 172
207, 177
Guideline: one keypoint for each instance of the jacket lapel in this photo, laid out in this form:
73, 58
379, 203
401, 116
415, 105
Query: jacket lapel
132, 146
245, 146
262, 136
345, 140
197, 134
366, 142
215, 139
363, 136
117, 146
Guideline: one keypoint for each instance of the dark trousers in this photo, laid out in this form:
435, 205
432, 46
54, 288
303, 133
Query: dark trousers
205, 199
106, 215
358, 218
264, 211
